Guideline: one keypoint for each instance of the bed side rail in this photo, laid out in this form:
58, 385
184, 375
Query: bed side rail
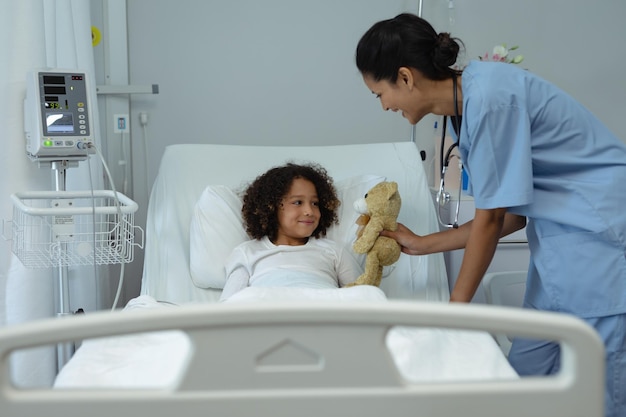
346, 369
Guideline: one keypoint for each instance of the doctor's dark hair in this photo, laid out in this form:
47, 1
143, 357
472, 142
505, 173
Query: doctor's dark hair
263, 199
406, 41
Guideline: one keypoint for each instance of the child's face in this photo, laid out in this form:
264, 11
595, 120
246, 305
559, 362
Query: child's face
299, 213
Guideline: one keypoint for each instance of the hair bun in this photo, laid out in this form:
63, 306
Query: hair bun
442, 39
446, 50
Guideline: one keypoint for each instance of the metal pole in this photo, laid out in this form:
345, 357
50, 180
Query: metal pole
66, 350
420, 6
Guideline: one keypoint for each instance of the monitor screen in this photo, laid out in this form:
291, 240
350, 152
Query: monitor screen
59, 123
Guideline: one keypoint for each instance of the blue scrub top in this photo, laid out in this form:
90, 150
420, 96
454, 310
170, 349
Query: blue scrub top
530, 147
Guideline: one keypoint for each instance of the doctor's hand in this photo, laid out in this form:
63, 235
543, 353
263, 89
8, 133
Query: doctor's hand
409, 241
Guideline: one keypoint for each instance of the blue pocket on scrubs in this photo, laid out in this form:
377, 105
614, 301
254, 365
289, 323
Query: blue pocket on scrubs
582, 273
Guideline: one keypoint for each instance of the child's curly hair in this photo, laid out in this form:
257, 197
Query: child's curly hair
263, 198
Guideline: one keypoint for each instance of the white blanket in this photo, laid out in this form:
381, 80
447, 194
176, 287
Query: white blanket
155, 360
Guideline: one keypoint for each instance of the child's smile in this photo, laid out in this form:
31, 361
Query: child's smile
299, 214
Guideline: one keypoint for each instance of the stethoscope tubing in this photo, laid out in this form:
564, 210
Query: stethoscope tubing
444, 159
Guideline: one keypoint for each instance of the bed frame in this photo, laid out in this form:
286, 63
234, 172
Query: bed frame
309, 359
295, 360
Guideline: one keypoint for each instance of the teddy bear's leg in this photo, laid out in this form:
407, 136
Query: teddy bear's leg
372, 274
378, 277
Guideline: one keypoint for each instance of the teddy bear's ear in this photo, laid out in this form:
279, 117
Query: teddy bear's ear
392, 188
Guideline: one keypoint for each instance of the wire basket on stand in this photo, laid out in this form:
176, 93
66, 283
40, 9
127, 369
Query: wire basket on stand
71, 228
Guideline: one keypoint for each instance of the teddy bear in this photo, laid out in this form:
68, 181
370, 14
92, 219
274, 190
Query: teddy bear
380, 208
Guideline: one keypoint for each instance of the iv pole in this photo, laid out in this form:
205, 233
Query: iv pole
66, 350
58, 135
420, 6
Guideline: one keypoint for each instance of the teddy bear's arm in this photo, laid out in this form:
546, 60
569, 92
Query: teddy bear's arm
369, 236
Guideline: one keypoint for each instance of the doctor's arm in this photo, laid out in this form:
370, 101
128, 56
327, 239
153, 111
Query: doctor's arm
479, 237
447, 240
486, 229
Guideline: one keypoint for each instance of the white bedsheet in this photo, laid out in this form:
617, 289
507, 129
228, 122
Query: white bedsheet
155, 360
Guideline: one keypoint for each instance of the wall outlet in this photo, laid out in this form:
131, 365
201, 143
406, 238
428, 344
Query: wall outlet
121, 123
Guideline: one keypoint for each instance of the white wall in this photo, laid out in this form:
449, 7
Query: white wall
282, 71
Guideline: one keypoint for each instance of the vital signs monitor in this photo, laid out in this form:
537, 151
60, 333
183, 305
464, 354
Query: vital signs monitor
57, 116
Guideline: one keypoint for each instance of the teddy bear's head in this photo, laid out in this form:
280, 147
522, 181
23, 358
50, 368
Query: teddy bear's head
382, 200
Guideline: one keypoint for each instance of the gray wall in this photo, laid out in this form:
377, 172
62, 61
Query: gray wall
282, 71
576, 44
257, 72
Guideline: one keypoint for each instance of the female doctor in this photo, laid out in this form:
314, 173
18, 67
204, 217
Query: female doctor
531, 152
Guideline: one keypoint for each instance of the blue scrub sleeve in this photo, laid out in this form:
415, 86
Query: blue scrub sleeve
498, 158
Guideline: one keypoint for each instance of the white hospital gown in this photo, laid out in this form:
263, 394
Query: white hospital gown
320, 263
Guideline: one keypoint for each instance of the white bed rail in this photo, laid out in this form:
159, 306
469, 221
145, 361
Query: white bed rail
229, 373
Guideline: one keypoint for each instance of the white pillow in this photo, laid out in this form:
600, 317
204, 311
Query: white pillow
216, 228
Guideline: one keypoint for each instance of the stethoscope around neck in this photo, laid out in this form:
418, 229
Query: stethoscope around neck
443, 197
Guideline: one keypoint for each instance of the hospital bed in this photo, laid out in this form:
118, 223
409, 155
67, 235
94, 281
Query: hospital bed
399, 350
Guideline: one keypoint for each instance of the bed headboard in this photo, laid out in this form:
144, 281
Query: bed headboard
186, 170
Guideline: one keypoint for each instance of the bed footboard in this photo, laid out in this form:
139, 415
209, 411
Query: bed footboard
311, 360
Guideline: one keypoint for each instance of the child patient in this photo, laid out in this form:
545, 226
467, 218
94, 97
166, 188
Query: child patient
287, 211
